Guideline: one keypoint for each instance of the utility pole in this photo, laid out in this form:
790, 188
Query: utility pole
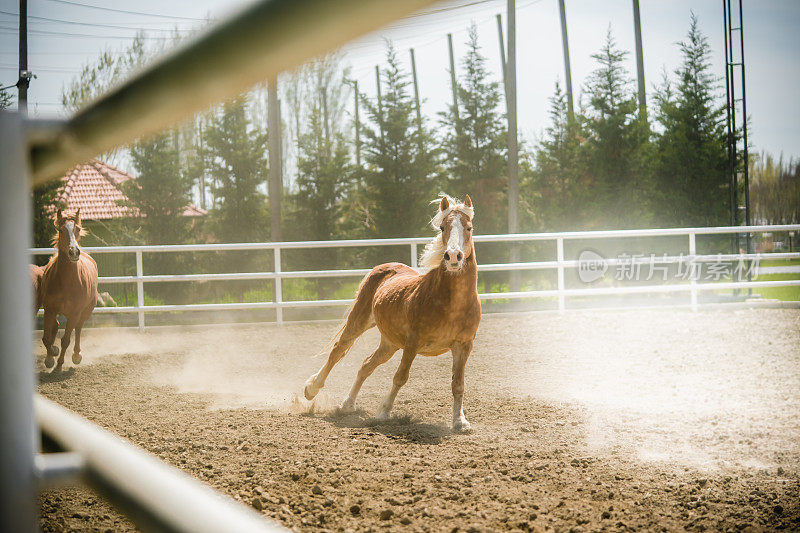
380, 104
513, 163
744, 129
637, 30
24, 75
275, 187
502, 55
511, 77
202, 153
416, 98
567, 70
453, 83
358, 132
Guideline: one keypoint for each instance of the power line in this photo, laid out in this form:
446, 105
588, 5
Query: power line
93, 24
113, 10
4, 29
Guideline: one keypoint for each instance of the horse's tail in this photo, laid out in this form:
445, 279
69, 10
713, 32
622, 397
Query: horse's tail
36, 280
359, 316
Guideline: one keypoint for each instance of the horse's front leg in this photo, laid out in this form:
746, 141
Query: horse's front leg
76, 351
400, 379
49, 331
65, 341
461, 351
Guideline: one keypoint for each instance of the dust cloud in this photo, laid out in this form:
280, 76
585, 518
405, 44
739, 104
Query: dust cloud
666, 386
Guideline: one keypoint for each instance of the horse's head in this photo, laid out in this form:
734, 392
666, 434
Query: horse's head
69, 234
455, 223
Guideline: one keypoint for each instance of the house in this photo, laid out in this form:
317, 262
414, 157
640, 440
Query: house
96, 188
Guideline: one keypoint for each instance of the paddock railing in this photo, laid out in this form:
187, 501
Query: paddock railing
559, 264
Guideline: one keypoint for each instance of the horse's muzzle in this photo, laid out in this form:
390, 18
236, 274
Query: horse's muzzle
74, 254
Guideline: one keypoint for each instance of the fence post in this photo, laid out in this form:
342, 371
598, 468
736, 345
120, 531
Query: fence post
414, 255
140, 289
692, 277
278, 287
560, 258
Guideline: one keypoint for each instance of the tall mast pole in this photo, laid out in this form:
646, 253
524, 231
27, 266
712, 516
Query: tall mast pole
565, 46
274, 140
24, 75
453, 83
513, 163
416, 99
637, 31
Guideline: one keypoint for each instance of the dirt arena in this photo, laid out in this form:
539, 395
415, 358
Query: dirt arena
642, 420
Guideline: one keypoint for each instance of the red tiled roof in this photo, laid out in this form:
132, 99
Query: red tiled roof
94, 187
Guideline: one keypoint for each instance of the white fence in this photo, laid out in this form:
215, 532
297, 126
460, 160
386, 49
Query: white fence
559, 264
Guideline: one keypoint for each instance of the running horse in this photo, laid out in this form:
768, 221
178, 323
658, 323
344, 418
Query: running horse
427, 314
68, 288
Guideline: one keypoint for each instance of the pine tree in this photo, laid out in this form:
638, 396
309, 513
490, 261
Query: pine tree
474, 144
617, 148
692, 162
559, 177
323, 166
237, 163
399, 176
5, 99
161, 191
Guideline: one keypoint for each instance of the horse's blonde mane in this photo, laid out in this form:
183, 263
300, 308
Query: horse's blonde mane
433, 253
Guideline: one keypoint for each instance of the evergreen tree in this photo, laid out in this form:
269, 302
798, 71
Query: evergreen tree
474, 144
401, 161
692, 160
5, 99
109, 68
617, 148
323, 166
774, 190
559, 177
239, 167
161, 191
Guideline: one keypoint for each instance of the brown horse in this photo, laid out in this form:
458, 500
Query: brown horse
68, 288
425, 314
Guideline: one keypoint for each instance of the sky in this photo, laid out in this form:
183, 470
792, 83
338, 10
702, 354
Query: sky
66, 34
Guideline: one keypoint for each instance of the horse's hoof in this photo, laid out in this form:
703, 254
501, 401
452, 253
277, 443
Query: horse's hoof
311, 388
383, 415
462, 426
348, 406
49, 362
76, 358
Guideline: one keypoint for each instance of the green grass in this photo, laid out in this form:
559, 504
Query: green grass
786, 294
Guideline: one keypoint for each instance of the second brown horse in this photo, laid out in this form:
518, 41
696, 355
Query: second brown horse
68, 287
425, 314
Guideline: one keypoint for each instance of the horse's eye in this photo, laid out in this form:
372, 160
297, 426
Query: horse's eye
442, 228
469, 228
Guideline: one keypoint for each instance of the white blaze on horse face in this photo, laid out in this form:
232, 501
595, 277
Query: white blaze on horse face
454, 253
73, 252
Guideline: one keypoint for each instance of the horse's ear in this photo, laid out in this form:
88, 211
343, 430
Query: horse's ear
444, 204
467, 201
58, 219
78, 217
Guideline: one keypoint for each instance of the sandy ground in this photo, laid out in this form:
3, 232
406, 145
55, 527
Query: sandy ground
646, 420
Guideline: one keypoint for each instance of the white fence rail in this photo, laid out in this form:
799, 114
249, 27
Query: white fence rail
560, 265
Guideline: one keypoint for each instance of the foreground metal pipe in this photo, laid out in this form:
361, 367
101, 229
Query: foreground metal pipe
17, 433
259, 42
156, 496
